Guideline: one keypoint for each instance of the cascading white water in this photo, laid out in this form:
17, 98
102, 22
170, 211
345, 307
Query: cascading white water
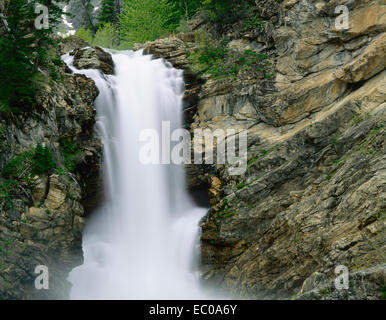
142, 243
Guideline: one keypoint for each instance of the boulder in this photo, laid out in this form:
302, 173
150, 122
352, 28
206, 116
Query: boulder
94, 58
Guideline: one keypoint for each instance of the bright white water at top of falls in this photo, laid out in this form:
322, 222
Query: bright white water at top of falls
142, 243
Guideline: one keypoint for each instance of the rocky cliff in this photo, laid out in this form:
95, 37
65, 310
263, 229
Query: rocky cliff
312, 98
49, 164
313, 196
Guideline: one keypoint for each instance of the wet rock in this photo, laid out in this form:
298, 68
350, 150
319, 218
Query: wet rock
94, 58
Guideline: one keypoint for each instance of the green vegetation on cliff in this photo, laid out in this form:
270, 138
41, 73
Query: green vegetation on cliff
71, 152
146, 20
214, 58
24, 51
21, 169
37, 161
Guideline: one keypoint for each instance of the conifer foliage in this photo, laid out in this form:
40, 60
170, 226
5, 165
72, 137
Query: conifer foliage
23, 48
144, 20
16, 58
110, 11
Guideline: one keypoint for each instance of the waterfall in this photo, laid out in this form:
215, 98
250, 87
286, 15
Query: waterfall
143, 241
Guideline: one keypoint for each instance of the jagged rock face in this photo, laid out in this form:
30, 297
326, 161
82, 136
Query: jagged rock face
94, 58
43, 226
313, 196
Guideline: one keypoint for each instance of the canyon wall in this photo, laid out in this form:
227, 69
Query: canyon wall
313, 196
42, 215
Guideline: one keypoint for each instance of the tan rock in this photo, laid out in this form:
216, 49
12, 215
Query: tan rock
368, 18
37, 213
369, 63
308, 95
56, 194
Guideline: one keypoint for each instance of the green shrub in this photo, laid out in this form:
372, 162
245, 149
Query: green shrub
57, 61
54, 74
107, 37
42, 160
254, 22
34, 162
71, 153
146, 20
252, 160
6, 188
85, 35
240, 185
17, 165
217, 60
383, 292
208, 58
60, 171
229, 214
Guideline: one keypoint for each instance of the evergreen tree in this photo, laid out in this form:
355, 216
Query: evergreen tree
145, 20
22, 49
88, 15
43, 36
83, 14
16, 59
185, 9
109, 12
